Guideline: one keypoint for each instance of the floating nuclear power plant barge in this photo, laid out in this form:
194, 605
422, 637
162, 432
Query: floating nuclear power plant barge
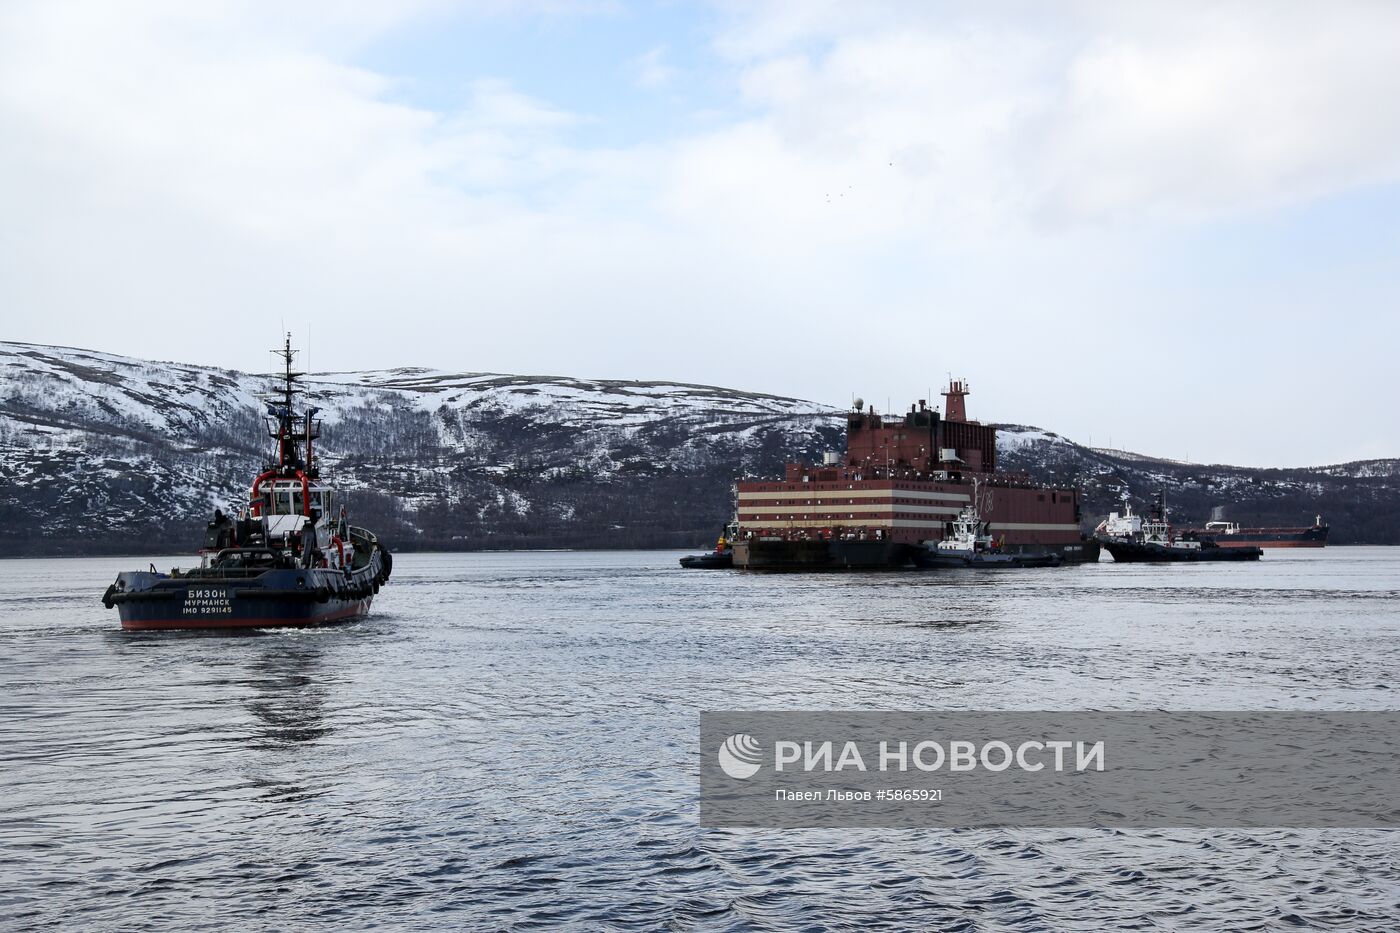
898, 489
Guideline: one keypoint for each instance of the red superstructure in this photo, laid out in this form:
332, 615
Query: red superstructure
899, 485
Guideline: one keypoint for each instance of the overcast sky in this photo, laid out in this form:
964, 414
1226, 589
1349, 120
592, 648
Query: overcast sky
1176, 226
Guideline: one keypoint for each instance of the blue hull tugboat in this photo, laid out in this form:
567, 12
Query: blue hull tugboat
288, 559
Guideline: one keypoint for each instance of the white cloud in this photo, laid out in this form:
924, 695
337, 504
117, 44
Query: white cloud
179, 178
651, 70
1124, 108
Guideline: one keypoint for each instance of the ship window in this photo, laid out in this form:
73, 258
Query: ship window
321, 501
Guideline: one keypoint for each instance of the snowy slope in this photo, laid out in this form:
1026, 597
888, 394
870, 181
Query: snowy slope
104, 452
97, 447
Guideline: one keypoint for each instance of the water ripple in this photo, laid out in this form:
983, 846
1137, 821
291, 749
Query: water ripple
508, 743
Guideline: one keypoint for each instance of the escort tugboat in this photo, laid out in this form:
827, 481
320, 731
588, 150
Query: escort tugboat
721, 558
969, 543
288, 559
1131, 540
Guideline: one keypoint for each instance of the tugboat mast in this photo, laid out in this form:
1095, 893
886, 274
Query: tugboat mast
294, 435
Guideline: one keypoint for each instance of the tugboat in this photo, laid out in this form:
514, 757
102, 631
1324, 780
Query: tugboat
288, 559
1131, 540
721, 558
969, 543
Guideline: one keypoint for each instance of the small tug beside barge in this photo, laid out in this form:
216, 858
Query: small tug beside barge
287, 560
721, 558
970, 544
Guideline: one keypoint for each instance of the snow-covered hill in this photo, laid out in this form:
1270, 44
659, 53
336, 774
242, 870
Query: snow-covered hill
100, 452
1360, 500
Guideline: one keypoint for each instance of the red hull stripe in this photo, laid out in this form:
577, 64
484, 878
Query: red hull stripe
1270, 543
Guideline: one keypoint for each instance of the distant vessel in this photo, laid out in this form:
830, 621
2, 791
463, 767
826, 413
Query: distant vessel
1230, 534
1130, 539
714, 560
968, 543
289, 559
721, 558
893, 494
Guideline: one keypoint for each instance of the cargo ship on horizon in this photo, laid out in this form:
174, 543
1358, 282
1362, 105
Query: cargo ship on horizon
901, 484
1230, 534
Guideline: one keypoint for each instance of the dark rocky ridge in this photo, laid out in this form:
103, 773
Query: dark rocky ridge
108, 454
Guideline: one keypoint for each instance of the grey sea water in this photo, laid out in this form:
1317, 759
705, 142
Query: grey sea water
510, 742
